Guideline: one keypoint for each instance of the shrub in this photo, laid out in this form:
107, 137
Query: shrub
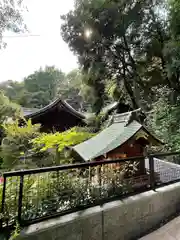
52, 192
164, 121
58, 143
17, 143
8, 110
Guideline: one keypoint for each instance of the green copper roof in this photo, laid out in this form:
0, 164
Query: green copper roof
107, 140
120, 129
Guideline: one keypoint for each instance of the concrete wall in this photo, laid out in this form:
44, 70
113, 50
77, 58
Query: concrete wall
118, 220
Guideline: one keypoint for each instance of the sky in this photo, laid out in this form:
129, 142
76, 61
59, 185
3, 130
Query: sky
23, 55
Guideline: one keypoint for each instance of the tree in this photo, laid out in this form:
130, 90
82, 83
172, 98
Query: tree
37, 89
164, 120
11, 18
75, 91
8, 110
172, 46
45, 85
13, 90
42, 84
120, 40
69, 89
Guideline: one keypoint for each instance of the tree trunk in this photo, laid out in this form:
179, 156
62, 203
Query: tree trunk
131, 94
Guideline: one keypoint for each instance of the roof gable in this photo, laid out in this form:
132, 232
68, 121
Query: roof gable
121, 128
107, 140
58, 102
125, 118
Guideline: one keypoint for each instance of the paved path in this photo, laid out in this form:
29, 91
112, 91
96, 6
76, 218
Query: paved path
170, 231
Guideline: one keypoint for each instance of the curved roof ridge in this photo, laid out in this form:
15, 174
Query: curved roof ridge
122, 117
126, 117
52, 105
72, 110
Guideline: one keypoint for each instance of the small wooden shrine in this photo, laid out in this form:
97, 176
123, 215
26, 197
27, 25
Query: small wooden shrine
124, 137
57, 116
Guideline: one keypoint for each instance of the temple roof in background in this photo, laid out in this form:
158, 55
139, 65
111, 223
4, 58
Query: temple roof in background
27, 111
33, 112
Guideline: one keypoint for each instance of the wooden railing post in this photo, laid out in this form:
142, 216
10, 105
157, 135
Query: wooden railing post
152, 174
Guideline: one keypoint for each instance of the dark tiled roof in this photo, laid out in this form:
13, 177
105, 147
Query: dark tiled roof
59, 102
27, 111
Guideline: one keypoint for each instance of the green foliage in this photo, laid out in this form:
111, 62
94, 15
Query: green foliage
8, 110
116, 92
165, 121
16, 232
133, 45
97, 122
116, 30
13, 90
60, 142
17, 143
42, 85
174, 16
53, 192
11, 12
74, 91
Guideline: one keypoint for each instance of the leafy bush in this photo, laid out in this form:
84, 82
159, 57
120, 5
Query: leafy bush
164, 120
58, 143
8, 110
52, 192
17, 143
25, 147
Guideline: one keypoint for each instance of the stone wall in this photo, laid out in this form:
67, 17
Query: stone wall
117, 220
